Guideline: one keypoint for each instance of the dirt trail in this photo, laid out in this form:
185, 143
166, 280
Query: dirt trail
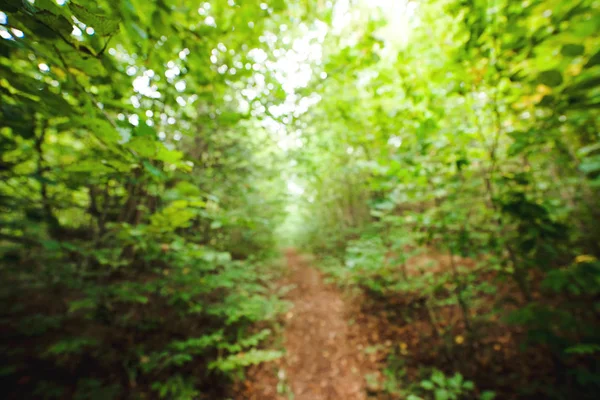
322, 361
324, 355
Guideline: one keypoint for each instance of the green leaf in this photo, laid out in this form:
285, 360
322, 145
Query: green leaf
427, 385
441, 394
71, 345
84, 304
103, 25
584, 85
144, 129
240, 360
583, 349
550, 78
143, 146
590, 164
91, 66
487, 395
187, 189
101, 128
438, 377
51, 6
166, 155
12, 5
588, 149
57, 23
128, 295
89, 167
153, 170
468, 385
593, 61
52, 245
572, 50
198, 345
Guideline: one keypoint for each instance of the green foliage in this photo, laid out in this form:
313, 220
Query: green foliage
140, 192
447, 388
69, 346
175, 388
241, 360
439, 386
446, 155
451, 163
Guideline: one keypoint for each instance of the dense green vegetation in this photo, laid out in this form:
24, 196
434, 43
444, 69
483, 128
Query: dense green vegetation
475, 140
155, 153
139, 196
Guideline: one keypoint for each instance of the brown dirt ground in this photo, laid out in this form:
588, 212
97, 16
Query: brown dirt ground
325, 357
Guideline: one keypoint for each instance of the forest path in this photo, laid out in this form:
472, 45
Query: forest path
324, 352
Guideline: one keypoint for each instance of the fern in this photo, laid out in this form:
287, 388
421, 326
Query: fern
241, 360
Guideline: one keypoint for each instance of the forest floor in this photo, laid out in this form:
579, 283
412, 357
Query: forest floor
325, 356
352, 345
